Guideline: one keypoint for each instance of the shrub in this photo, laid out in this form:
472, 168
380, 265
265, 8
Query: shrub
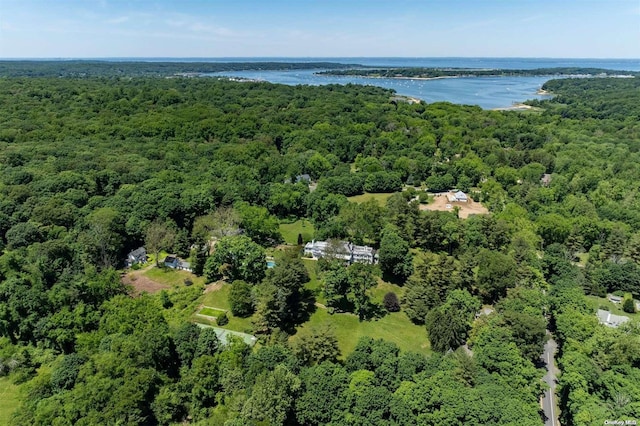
223, 319
628, 304
390, 302
241, 299
188, 282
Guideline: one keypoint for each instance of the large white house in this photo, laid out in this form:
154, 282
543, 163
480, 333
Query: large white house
346, 251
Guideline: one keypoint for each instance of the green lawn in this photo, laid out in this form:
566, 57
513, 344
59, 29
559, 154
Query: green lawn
381, 198
314, 284
9, 399
384, 288
290, 231
394, 327
219, 299
172, 277
614, 308
211, 312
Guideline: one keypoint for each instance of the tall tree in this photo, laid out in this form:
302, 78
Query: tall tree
394, 257
236, 258
159, 236
361, 279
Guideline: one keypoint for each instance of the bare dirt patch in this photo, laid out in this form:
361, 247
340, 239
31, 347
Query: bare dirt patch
141, 284
213, 287
441, 203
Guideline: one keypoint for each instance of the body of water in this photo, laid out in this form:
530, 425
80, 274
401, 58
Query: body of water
487, 92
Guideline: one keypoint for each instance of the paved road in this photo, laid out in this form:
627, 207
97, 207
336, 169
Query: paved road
549, 400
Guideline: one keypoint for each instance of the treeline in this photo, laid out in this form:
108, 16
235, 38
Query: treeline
417, 72
120, 68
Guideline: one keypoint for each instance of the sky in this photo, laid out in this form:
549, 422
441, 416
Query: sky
319, 28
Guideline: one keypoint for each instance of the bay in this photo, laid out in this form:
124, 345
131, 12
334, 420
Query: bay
486, 92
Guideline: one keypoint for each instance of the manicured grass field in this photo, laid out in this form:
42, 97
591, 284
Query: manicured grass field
219, 299
394, 327
381, 198
9, 399
614, 308
211, 312
172, 277
290, 231
384, 288
314, 284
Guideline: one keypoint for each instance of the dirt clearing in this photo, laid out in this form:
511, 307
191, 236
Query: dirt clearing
441, 203
142, 284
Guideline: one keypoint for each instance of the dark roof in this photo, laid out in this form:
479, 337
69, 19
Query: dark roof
138, 253
170, 259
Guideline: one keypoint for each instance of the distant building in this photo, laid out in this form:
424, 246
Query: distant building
175, 262
303, 178
610, 320
458, 197
346, 251
137, 256
614, 298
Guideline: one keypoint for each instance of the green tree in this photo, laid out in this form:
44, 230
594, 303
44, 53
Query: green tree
236, 258
258, 224
447, 328
394, 257
361, 279
496, 273
282, 301
159, 236
628, 305
321, 399
241, 299
435, 275
316, 346
272, 398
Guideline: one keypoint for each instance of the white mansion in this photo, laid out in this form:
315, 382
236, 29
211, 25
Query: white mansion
346, 251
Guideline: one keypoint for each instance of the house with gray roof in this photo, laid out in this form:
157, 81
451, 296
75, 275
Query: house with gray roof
610, 320
136, 256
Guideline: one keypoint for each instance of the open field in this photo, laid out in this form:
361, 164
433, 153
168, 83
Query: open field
211, 312
440, 203
218, 298
9, 399
614, 308
290, 231
153, 279
314, 284
172, 277
381, 198
395, 327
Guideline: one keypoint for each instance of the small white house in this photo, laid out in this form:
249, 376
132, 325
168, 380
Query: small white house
610, 320
461, 197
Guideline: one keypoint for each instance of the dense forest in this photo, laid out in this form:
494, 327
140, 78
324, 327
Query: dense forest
94, 167
106, 68
418, 72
